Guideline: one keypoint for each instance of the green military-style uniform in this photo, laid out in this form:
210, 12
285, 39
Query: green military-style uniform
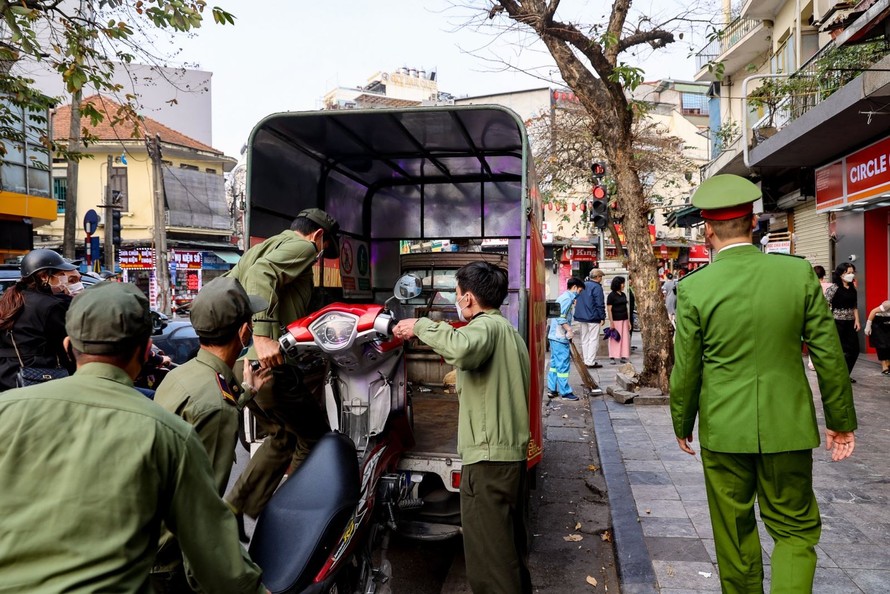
205, 394
280, 271
90, 467
493, 373
738, 369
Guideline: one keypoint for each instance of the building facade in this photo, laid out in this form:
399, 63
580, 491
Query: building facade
190, 189
801, 89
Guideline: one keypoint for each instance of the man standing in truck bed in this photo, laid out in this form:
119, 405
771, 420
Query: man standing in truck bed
493, 428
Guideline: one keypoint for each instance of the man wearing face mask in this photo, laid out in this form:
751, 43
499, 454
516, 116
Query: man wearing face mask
279, 270
205, 393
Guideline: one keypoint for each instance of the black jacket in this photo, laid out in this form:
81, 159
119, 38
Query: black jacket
38, 332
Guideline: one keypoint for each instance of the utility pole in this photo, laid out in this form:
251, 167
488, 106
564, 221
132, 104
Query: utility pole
69, 233
109, 218
162, 273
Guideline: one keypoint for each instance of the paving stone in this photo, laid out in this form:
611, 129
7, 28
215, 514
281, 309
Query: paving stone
684, 575
650, 465
669, 527
833, 581
661, 508
626, 382
621, 396
677, 549
685, 478
642, 477
651, 400
871, 581
654, 492
855, 556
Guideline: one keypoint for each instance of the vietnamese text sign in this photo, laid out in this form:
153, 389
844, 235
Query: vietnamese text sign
355, 268
137, 258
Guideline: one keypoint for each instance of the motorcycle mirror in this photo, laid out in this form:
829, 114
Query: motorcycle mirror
408, 286
158, 321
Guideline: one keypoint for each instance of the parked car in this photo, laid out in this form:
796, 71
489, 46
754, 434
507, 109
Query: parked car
176, 338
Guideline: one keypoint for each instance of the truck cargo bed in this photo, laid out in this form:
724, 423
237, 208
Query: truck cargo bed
435, 423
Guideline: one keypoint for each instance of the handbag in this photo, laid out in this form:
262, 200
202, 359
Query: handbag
28, 376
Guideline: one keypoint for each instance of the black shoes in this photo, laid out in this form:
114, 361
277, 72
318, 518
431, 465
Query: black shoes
594, 366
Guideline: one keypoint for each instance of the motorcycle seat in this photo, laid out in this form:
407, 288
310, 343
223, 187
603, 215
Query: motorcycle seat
303, 521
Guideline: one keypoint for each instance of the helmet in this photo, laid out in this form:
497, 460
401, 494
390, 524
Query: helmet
37, 260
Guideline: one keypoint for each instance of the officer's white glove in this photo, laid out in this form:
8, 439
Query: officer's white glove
868, 328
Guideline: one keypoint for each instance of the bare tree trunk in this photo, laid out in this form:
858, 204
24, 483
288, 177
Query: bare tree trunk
69, 234
597, 83
658, 355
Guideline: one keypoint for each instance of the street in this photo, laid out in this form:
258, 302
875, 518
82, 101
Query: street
571, 542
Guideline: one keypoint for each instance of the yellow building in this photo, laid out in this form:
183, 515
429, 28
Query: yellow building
199, 224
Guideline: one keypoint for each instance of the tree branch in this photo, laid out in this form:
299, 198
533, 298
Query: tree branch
656, 38
615, 28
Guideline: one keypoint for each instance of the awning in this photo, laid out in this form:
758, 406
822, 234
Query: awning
688, 216
228, 257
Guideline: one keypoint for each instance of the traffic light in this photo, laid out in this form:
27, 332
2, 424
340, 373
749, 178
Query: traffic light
599, 206
116, 227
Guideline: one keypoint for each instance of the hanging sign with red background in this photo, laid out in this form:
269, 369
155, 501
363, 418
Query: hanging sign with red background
857, 177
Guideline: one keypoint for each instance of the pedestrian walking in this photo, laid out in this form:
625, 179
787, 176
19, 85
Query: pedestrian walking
877, 328
619, 312
590, 313
493, 370
844, 303
669, 290
90, 468
205, 394
279, 270
560, 337
749, 390
32, 317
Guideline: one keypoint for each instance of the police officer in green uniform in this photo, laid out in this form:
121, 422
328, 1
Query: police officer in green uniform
205, 394
493, 374
738, 368
90, 469
279, 270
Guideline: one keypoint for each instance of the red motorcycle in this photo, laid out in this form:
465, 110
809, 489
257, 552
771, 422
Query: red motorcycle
327, 528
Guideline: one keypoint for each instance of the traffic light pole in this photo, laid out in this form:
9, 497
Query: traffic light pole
109, 209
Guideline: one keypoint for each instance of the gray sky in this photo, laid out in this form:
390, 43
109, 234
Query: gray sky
283, 55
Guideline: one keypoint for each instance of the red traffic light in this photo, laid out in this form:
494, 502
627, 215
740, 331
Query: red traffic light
599, 192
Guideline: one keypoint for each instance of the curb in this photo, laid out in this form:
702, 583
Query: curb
635, 571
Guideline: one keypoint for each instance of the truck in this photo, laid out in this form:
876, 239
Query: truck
420, 191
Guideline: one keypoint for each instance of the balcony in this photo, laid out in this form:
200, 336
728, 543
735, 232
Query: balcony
738, 45
761, 9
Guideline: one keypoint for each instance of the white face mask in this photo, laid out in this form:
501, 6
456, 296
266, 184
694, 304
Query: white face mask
75, 288
460, 310
848, 277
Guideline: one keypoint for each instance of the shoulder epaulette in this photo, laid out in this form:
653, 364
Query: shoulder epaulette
228, 393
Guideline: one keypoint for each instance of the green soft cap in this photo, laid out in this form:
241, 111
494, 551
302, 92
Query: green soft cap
222, 306
106, 316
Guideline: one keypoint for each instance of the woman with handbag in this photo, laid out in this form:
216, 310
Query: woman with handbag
32, 321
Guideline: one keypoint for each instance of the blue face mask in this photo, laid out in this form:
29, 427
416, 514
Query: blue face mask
460, 310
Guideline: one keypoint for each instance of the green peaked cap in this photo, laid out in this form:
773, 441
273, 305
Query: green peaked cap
725, 191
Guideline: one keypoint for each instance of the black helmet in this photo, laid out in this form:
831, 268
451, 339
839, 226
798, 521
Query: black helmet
37, 260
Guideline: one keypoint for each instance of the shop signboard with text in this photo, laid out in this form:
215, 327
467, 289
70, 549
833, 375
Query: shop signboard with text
860, 177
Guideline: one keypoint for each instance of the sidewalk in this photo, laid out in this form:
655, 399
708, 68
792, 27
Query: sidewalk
663, 536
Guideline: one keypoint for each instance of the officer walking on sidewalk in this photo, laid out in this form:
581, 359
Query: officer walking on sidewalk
590, 312
738, 368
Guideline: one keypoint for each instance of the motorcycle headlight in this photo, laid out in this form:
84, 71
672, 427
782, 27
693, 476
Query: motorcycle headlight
334, 331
